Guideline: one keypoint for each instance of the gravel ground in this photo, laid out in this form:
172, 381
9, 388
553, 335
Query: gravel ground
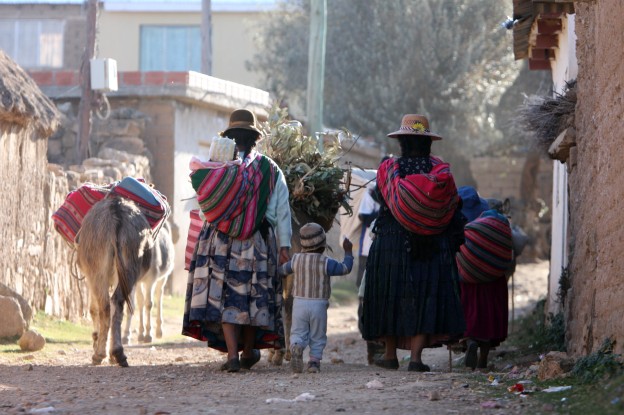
183, 377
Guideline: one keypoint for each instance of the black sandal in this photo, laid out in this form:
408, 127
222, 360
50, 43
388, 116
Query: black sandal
418, 367
471, 354
232, 365
392, 364
248, 362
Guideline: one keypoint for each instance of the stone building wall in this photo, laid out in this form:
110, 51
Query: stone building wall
34, 260
594, 305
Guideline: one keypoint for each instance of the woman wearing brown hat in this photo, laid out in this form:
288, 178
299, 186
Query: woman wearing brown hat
411, 297
234, 296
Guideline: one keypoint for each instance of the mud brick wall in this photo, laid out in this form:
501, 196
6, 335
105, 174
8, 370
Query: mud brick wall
594, 307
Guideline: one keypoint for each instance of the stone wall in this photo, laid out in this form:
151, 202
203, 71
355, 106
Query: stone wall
34, 260
594, 305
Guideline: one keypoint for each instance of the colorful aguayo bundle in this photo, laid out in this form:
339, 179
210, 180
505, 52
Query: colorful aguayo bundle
68, 218
487, 253
235, 198
422, 203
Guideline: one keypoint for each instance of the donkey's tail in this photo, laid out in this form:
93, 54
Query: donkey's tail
119, 251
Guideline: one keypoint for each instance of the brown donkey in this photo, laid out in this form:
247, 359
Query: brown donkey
114, 248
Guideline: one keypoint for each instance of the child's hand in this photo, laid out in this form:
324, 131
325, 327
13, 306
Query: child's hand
347, 245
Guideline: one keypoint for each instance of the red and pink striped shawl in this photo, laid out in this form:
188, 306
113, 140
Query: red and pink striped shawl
236, 197
421, 203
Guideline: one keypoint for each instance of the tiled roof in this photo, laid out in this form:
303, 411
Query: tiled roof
536, 24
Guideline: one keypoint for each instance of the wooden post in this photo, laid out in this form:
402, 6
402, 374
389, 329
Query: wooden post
316, 67
86, 100
206, 38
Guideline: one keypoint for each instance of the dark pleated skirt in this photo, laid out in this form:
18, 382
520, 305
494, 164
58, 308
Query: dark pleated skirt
406, 297
486, 310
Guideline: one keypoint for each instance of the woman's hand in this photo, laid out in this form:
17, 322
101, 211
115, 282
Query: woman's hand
284, 255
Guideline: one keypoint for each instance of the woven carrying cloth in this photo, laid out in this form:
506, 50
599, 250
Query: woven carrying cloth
235, 198
150, 201
68, 218
421, 203
487, 253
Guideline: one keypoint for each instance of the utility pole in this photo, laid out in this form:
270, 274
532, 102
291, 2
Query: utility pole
206, 38
86, 100
316, 67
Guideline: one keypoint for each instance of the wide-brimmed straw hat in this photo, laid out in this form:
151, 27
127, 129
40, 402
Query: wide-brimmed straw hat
243, 119
415, 124
312, 237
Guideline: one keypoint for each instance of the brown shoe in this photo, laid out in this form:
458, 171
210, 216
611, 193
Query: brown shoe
391, 364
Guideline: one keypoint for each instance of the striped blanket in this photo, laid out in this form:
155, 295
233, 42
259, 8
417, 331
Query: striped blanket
68, 218
191, 239
153, 204
487, 253
236, 197
150, 201
422, 203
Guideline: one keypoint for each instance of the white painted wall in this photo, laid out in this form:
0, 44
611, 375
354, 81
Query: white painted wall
565, 68
194, 128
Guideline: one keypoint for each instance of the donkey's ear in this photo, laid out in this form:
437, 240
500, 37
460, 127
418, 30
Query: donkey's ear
507, 206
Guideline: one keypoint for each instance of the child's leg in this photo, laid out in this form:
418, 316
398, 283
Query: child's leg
300, 328
318, 329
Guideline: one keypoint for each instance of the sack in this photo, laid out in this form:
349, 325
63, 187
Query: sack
487, 253
150, 201
193, 234
68, 218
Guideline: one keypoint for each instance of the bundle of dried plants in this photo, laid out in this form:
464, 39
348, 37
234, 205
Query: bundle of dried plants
318, 188
542, 118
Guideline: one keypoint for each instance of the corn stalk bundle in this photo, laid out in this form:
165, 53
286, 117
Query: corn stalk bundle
317, 187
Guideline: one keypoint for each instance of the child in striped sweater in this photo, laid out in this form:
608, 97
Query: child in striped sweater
311, 292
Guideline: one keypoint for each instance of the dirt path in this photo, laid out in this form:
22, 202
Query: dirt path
183, 377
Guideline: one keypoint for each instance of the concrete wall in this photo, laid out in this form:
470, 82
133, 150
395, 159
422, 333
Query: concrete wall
74, 37
564, 69
119, 38
594, 308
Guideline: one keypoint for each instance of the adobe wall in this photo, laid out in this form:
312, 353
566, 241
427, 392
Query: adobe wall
34, 260
594, 306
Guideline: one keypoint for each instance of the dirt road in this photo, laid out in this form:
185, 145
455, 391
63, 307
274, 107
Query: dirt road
183, 377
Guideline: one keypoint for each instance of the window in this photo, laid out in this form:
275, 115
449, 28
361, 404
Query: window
170, 48
33, 43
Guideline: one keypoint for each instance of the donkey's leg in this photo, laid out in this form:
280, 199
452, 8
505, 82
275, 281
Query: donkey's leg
116, 348
159, 289
142, 304
127, 333
95, 318
146, 313
100, 337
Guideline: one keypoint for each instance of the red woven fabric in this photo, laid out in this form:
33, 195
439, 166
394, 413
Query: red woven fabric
421, 203
487, 253
150, 201
68, 218
193, 235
